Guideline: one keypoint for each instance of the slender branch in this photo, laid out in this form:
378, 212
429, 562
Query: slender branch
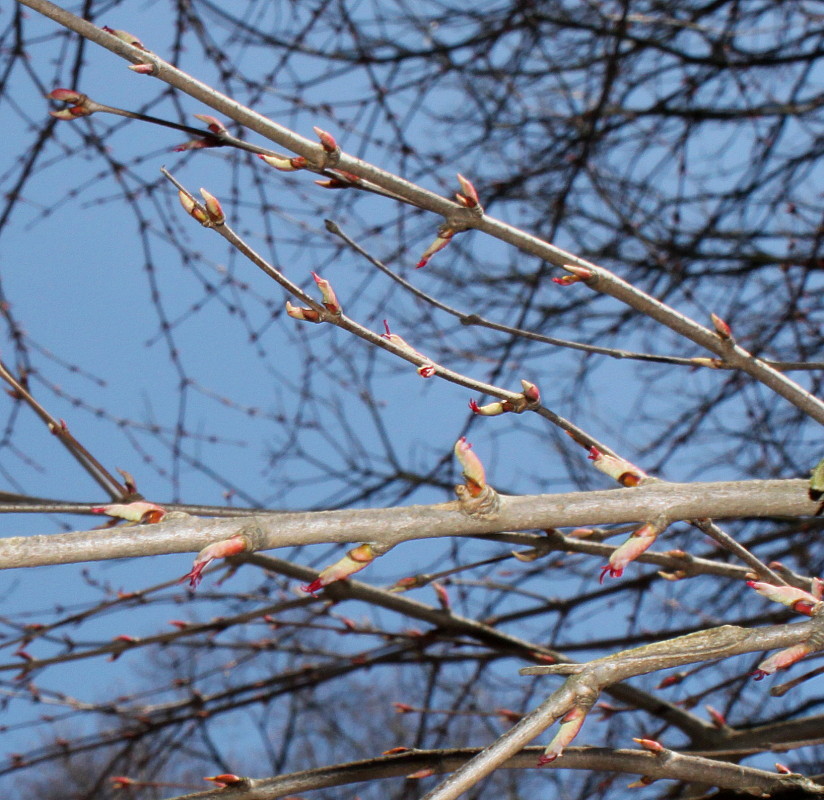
457, 217
59, 429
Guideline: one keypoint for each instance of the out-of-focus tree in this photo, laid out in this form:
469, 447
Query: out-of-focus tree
625, 275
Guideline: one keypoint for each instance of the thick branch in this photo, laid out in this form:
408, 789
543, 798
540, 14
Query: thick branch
390, 526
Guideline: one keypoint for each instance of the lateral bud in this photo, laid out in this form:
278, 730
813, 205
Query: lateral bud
619, 469
578, 274
284, 163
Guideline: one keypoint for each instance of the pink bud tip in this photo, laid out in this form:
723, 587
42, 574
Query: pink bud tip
758, 674
313, 587
422, 263
614, 572
546, 759
594, 454
142, 69
194, 576
475, 407
65, 95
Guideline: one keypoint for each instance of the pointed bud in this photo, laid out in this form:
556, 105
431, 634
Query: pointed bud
651, 745
142, 69
531, 392
227, 547
225, 780
578, 274
639, 542
212, 123
330, 300
721, 328
467, 197
672, 680
426, 772
490, 409
644, 780
284, 163
299, 312
354, 561
711, 363
797, 599
718, 719
617, 468
508, 715
442, 240
341, 180
571, 724
473, 470
195, 144
139, 511
781, 660
327, 140
443, 595
66, 96
213, 208
70, 113
192, 208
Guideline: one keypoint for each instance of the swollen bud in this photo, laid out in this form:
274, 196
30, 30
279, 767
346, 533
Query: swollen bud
354, 561
213, 208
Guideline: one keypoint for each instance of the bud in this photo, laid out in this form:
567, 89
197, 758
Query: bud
212, 123
781, 660
443, 595
722, 328
300, 312
193, 209
284, 163
639, 542
797, 599
213, 208
139, 511
578, 274
66, 96
490, 409
330, 300
571, 724
442, 240
651, 745
467, 197
225, 780
227, 547
473, 470
340, 180
142, 69
622, 471
327, 141
718, 719
354, 561
531, 392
